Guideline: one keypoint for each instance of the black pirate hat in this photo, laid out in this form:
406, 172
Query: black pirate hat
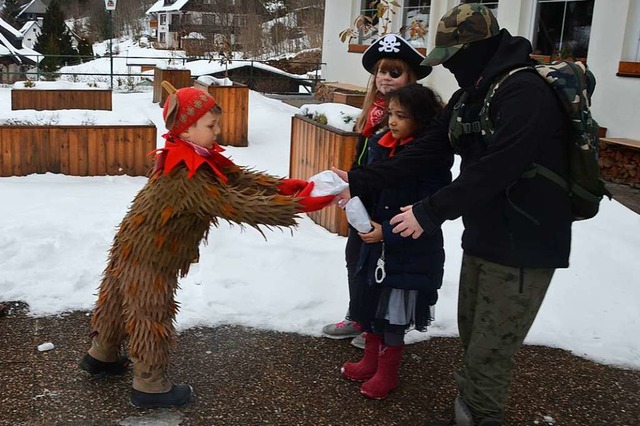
394, 47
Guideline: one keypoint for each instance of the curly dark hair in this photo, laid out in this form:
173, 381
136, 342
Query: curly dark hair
421, 103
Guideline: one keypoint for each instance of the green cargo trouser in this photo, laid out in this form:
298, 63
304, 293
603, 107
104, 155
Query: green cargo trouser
496, 307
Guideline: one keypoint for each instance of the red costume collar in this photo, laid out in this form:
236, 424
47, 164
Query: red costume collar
178, 151
388, 141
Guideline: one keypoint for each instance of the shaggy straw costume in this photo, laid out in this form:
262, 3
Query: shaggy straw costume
158, 240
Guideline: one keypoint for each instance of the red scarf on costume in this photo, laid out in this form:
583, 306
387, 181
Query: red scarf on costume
388, 141
376, 114
193, 156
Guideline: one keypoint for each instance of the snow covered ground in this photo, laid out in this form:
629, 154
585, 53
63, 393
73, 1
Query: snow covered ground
56, 231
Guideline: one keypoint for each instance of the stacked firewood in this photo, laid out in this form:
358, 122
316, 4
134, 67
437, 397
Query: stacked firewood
620, 164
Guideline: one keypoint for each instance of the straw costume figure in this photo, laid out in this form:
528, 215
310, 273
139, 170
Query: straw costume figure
191, 186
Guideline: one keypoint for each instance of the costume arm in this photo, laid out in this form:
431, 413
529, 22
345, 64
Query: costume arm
248, 178
252, 205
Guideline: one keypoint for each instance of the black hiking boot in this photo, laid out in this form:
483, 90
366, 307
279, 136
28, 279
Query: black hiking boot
177, 396
101, 368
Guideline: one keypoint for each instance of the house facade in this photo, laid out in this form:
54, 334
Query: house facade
604, 33
174, 21
15, 59
33, 10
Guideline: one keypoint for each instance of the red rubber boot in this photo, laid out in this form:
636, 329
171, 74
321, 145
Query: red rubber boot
367, 366
386, 378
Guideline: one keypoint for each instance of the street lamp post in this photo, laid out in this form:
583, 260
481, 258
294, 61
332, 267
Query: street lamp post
110, 5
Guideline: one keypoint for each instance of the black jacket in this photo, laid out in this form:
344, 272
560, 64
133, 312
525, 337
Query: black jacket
410, 264
508, 219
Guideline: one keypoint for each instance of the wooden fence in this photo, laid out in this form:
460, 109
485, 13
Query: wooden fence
314, 148
54, 99
234, 101
76, 150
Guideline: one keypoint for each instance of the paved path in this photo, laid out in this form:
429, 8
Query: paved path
247, 377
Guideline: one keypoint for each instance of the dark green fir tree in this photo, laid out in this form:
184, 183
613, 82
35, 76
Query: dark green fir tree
10, 11
55, 42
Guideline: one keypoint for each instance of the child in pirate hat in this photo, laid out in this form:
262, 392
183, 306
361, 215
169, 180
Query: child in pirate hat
393, 63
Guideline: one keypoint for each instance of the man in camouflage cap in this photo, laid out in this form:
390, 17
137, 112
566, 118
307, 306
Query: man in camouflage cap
463, 24
517, 230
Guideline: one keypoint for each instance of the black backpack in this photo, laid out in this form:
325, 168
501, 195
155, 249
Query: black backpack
573, 85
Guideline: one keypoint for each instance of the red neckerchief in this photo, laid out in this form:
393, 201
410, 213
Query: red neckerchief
376, 114
388, 141
178, 151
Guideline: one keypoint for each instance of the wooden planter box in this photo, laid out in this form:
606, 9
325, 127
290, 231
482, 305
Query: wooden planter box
55, 99
234, 101
76, 150
178, 78
314, 148
353, 99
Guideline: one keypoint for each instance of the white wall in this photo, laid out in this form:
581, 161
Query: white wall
616, 101
340, 65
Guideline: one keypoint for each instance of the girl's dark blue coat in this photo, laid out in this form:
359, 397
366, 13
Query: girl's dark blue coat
410, 264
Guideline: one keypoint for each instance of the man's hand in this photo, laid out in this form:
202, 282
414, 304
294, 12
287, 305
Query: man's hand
406, 223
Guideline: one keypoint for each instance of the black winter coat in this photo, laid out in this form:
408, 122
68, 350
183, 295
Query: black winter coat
409, 264
489, 193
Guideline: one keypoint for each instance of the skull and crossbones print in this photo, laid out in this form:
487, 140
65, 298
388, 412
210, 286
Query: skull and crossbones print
389, 44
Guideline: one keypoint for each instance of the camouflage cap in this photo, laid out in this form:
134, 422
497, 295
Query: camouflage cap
463, 24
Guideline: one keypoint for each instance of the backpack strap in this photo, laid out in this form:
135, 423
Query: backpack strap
485, 119
483, 125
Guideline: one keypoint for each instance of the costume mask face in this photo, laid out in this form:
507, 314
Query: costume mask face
470, 61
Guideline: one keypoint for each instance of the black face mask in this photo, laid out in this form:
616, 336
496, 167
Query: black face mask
469, 62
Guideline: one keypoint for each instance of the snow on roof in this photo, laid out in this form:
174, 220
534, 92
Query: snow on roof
160, 7
10, 29
20, 55
34, 6
204, 67
27, 26
142, 56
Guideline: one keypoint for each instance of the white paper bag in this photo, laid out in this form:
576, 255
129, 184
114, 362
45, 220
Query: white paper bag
357, 215
327, 183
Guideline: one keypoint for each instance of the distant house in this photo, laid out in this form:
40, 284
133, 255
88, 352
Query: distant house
33, 10
15, 59
174, 21
30, 32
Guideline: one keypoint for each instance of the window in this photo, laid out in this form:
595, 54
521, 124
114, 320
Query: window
416, 21
162, 37
163, 18
563, 28
491, 4
368, 33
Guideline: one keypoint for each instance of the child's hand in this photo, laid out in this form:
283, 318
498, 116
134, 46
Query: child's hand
375, 236
291, 186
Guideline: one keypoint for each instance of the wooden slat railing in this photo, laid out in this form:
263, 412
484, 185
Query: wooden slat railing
54, 99
77, 150
315, 148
